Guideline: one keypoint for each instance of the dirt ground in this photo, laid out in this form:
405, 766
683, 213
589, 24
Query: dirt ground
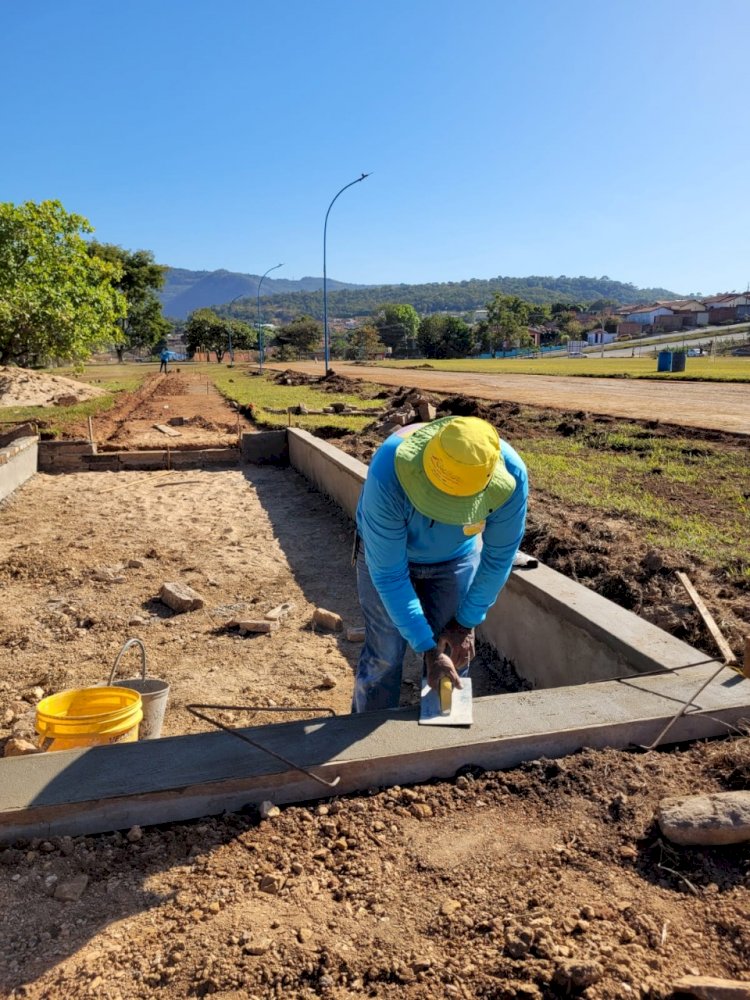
719, 406
547, 881
184, 401
23, 387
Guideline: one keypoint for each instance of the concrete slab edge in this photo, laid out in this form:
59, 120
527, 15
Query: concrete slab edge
190, 776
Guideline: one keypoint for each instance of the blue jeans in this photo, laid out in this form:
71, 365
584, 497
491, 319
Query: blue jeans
440, 588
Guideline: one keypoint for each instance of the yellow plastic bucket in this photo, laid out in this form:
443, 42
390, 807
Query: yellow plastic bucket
88, 717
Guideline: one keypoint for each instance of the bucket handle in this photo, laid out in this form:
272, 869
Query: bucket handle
125, 648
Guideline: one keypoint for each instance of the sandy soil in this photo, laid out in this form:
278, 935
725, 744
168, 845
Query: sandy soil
713, 405
547, 881
22, 387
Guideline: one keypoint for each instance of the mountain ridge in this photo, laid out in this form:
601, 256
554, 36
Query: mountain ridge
186, 290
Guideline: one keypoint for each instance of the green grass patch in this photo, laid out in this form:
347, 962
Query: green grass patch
688, 495
721, 369
260, 392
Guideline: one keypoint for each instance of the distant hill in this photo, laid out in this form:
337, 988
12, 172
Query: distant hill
186, 290
455, 296
284, 299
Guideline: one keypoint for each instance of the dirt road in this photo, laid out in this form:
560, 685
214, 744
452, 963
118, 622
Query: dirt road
720, 406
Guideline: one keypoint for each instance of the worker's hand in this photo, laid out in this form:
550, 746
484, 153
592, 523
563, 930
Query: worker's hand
440, 665
458, 641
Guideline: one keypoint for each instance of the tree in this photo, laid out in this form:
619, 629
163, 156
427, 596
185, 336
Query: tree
458, 338
302, 335
507, 322
445, 337
430, 336
207, 331
141, 277
56, 301
397, 325
365, 342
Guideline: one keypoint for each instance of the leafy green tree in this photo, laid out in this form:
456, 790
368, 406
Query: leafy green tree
507, 322
144, 326
206, 331
430, 336
445, 337
302, 335
458, 338
56, 301
397, 326
365, 342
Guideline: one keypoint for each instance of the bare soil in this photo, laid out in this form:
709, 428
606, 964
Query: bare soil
187, 402
23, 387
547, 881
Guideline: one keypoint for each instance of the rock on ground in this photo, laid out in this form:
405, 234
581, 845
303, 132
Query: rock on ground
706, 820
180, 597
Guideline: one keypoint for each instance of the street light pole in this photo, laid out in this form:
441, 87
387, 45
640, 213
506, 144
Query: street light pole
326, 345
260, 334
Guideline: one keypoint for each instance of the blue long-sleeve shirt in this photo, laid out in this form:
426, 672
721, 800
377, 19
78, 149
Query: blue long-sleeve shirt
396, 534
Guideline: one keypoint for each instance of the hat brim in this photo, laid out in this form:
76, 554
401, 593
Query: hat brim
434, 503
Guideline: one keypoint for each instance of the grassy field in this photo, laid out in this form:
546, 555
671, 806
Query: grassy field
689, 496
697, 369
261, 392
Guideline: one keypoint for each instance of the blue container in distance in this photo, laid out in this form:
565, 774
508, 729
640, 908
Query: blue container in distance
664, 361
678, 361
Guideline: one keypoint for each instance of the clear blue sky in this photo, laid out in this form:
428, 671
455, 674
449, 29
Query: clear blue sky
524, 137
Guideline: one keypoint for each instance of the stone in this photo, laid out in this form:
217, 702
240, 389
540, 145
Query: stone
271, 884
328, 681
355, 634
268, 810
328, 620
255, 625
421, 810
710, 988
72, 890
706, 820
134, 834
18, 747
8, 716
280, 612
304, 934
138, 620
426, 411
449, 907
338, 407
179, 597
135, 564
106, 575
577, 974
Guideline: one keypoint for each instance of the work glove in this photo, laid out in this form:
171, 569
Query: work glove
439, 665
458, 641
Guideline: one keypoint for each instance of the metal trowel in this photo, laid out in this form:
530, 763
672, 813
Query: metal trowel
448, 706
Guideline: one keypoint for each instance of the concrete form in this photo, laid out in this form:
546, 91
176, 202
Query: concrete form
18, 458
617, 681
83, 456
184, 777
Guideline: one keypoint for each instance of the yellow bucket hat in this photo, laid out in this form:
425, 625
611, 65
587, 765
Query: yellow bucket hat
452, 470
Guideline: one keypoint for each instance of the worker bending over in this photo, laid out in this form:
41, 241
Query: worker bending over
432, 490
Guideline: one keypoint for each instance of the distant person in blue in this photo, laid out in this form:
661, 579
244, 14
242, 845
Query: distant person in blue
432, 490
164, 359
